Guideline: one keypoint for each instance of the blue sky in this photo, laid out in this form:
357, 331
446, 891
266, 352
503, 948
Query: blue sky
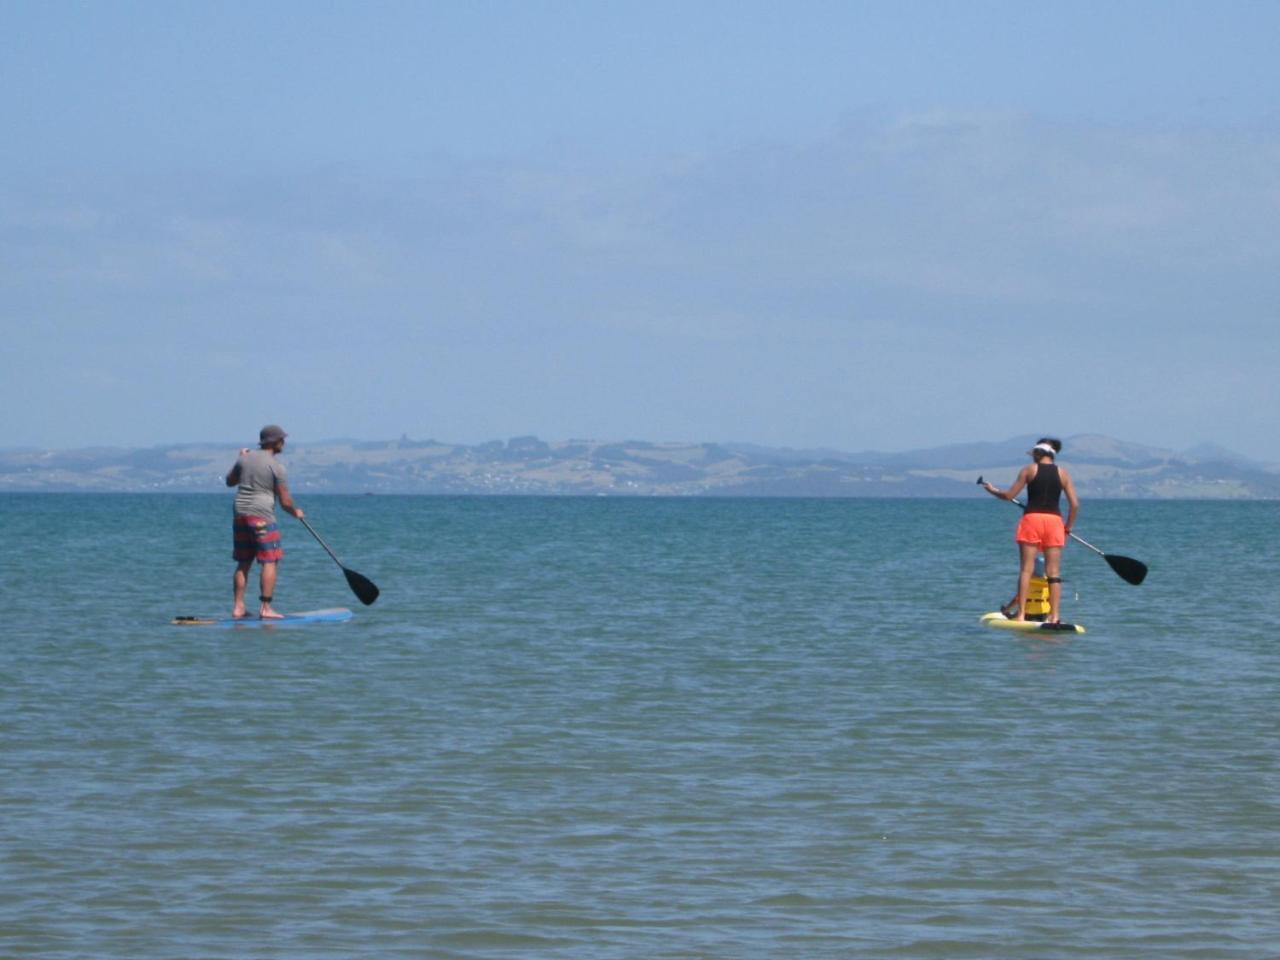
850, 225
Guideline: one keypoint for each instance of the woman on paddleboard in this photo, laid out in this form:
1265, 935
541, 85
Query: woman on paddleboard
1041, 530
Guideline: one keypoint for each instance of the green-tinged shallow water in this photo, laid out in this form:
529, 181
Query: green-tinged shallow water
627, 729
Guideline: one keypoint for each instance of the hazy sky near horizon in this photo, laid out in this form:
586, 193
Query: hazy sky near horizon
857, 225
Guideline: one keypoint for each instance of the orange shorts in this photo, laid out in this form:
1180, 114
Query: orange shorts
1042, 530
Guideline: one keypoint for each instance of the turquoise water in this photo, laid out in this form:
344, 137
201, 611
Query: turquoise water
601, 728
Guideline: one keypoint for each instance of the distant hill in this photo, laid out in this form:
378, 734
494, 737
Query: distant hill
1102, 466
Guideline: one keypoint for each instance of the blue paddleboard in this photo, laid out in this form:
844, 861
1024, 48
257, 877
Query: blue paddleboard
332, 615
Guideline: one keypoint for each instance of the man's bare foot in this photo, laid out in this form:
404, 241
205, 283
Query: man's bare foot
239, 612
266, 613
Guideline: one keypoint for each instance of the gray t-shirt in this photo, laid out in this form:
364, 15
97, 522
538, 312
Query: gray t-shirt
261, 474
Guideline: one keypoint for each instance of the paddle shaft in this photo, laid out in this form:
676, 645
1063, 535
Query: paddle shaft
1085, 542
311, 530
364, 588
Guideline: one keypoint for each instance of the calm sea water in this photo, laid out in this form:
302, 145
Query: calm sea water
579, 728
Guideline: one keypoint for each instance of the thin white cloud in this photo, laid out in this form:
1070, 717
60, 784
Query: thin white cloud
906, 248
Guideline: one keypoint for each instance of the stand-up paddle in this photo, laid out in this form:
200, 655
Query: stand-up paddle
364, 588
1129, 570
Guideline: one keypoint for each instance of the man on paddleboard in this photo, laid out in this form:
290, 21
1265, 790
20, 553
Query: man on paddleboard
261, 479
1041, 530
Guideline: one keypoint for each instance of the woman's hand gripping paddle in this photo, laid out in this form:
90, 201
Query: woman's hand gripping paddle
362, 587
1128, 569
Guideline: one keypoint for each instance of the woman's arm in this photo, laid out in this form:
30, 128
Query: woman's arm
1024, 477
1073, 502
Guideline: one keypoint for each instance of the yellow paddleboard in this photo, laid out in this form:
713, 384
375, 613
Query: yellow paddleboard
1001, 622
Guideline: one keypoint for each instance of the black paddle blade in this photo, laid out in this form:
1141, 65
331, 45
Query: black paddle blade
364, 588
1130, 570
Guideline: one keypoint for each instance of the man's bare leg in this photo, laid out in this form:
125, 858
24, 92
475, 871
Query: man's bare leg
238, 583
268, 582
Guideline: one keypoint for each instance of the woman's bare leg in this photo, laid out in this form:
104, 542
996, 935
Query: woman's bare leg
1026, 564
1053, 573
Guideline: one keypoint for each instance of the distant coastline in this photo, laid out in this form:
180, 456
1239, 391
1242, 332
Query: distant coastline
1102, 466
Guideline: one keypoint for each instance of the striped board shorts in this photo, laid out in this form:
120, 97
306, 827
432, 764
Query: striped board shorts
256, 538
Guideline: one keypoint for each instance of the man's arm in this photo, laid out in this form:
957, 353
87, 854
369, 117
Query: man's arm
233, 475
286, 500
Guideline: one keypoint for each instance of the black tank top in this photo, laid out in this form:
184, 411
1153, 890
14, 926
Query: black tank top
1045, 490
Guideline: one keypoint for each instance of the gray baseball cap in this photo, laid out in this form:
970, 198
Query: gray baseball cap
271, 433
